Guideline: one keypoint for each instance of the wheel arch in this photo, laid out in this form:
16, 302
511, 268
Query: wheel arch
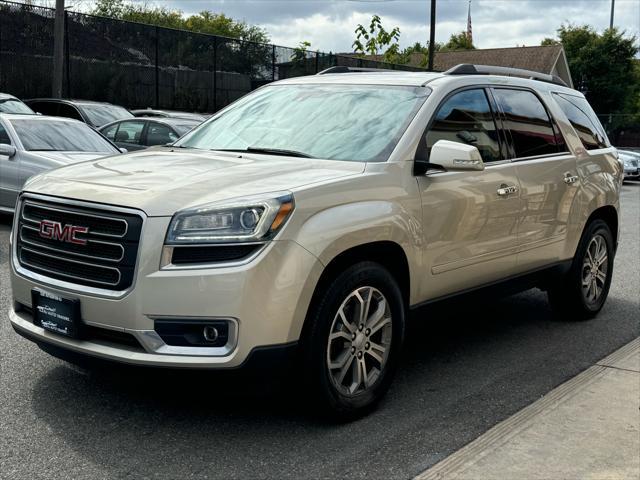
609, 215
387, 253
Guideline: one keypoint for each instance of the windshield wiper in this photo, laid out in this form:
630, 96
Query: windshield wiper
268, 151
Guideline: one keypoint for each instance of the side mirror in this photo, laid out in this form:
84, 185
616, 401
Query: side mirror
7, 150
447, 155
123, 150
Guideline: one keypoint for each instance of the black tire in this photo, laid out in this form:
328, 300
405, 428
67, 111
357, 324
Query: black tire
566, 295
322, 386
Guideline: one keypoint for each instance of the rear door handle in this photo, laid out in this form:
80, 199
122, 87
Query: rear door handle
506, 190
569, 179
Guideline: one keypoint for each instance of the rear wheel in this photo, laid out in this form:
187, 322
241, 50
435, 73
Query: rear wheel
353, 341
582, 292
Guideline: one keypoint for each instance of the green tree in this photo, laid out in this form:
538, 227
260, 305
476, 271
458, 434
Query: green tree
203, 22
603, 66
376, 39
458, 42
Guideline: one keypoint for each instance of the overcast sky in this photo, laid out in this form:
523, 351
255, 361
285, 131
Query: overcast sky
329, 24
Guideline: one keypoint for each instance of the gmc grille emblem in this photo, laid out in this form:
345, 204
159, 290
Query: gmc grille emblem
55, 231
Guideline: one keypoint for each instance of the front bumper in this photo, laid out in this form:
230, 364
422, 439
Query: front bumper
266, 298
631, 172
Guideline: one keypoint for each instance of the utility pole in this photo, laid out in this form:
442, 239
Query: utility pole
58, 50
432, 34
613, 6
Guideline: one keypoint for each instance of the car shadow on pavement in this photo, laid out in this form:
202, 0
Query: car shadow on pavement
467, 365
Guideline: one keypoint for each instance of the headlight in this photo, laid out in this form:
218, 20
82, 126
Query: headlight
248, 219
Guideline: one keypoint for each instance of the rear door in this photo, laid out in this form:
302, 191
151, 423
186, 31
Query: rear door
470, 223
546, 170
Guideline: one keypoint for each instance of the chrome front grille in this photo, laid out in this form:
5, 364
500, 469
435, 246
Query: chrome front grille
77, 244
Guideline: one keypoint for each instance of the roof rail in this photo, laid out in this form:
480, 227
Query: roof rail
470, 69
344, 69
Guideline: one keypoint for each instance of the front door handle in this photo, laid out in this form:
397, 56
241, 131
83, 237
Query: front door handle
506, 190
569, 179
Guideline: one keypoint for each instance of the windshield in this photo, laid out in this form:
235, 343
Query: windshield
102, 114
337, 122
65, 136
13, 105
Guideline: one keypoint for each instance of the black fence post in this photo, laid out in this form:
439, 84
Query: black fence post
317, 61
157, 69
67, 57
273, 63
215, 74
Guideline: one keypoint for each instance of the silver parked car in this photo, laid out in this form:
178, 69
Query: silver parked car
631, 163
11, 104
32, 144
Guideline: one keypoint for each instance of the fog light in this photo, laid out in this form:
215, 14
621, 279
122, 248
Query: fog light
210, 333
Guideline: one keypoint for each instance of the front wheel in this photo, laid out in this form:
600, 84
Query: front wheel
581, 294
353, 341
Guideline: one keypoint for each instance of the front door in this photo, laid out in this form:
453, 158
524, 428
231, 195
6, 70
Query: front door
470, 218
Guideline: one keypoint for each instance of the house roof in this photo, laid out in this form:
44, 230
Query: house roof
539, 59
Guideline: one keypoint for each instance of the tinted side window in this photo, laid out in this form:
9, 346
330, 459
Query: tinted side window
584, 120
528, 121
4, 136
466, 118
69, 111
129, 132
45, 108
159, 134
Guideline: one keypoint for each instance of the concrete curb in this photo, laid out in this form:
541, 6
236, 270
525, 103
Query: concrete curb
499, 435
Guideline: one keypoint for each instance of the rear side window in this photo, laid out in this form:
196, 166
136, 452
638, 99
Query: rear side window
69, 111
528, 122
584, 121
4, 136
45, 108
466, 117
158, 134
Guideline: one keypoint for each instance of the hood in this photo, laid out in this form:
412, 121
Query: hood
67, 158
162, 181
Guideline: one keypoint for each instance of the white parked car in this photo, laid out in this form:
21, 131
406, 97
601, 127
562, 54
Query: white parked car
303, 222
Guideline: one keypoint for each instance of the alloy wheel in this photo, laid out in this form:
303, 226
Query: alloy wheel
594, 270
359, 341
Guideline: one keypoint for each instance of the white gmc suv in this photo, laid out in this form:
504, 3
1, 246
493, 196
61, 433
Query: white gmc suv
304, 221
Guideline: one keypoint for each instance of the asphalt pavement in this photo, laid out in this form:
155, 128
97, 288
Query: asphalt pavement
468, 366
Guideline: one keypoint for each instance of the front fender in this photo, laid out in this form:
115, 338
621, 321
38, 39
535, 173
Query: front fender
335, 230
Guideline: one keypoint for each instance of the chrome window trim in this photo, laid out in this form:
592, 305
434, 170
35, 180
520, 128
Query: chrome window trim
66, 252
45, 207
71, 261
69, 286
152, 342
556, 156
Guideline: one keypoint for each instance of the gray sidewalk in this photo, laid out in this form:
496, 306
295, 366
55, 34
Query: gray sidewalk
587, 428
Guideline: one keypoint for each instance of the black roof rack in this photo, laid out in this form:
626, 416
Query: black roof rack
343, 69
470, 69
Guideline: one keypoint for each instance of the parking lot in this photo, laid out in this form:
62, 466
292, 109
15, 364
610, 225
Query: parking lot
467, 367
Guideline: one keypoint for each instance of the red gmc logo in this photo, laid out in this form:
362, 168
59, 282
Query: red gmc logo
55, 231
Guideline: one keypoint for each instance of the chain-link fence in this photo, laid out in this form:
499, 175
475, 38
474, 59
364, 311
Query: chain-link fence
139, 66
